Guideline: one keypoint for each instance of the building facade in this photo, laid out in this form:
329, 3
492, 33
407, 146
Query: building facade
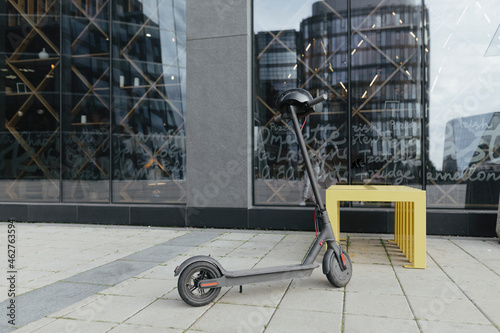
160, 112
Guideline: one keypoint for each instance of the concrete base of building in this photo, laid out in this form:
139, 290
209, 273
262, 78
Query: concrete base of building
365, 220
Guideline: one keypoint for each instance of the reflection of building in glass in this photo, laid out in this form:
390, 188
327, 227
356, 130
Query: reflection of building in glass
276, 67
472, 156
388, 59
387, 81
472, 142
93, 94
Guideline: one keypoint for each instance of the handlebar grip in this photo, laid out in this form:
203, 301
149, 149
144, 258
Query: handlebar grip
316, 100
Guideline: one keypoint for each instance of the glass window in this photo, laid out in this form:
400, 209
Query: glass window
463, 168
91, 100
30, 70
306, 55
423, 107
149, 116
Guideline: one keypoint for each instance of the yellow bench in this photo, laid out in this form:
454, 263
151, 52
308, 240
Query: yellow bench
409, 214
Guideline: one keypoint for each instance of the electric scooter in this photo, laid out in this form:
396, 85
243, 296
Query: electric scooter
202, 277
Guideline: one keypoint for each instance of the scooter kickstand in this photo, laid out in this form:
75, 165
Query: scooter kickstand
241, 289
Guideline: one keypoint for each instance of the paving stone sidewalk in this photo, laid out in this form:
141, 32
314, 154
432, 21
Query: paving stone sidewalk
87, 278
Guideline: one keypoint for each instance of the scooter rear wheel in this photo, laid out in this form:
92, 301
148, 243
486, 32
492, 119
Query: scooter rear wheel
337, 277
189, 280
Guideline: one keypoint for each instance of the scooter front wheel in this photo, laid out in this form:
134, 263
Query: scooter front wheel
189, 280
338, 277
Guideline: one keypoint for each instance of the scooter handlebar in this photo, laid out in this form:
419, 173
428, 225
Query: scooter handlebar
308, 104
316, 100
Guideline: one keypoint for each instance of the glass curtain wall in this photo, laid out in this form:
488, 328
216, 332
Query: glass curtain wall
92, 97
298, 45
411, 97
30, 106
463, 169
369, 131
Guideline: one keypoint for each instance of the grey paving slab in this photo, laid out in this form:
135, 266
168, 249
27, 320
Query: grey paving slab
110, 308
269, 294
313, 300
128, 328
375, 285
431, 288
70, 325
168, 313
300, 321
390, 306
142, 287
195, 238
459, 291
447, 327
40, 302
243, 318
447, 309
364, 324
158, 254
112, 273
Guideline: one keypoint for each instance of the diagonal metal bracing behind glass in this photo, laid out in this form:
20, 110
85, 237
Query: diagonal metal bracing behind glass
94, 95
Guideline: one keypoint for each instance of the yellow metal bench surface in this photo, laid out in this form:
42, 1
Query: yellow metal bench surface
409, 214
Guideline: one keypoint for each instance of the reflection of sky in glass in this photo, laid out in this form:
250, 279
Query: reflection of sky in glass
462, 81
280, 15
463, 77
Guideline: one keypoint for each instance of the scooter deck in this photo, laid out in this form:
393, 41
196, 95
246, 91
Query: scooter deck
270, 270
260, 275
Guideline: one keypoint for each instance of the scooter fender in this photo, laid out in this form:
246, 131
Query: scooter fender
186, 263
327, 260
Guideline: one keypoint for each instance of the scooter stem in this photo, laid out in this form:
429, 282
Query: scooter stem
305, 154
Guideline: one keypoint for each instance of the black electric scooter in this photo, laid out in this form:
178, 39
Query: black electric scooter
201, 277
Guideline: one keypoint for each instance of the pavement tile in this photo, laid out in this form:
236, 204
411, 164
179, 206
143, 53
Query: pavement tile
167, 313
38, 303
33, 326
225, 244
490, 307
300, 321
237, 236
149, 288
270, 238
429, 273
242, 319
368, 258
249, 252
367, 324
110, 308
70, 325
390, 306
446, 327
128, 328
163, 271
111, 273
258, 244
209, 250
447, 308
372, 270
313, 300
263, 294
374, 285
74, 306
231, 263
445, 288
458, 291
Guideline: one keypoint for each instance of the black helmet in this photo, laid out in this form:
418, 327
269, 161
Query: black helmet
294, 96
